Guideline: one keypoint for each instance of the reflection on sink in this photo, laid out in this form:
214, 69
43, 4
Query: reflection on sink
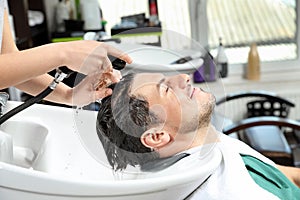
147, 58
28, 139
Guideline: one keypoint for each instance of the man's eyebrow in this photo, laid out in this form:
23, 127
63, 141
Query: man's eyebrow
160, 82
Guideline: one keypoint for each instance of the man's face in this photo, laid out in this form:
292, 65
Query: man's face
182, 107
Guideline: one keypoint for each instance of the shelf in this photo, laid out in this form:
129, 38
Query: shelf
27, 36
137, 31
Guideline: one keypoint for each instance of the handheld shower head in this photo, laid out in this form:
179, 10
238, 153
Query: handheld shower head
117, 63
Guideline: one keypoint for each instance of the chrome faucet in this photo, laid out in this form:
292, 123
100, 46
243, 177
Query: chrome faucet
3, 101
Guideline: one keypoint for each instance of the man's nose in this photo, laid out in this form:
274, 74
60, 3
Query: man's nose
181, 80
186, 78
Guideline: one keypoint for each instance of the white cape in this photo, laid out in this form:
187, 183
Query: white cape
231, 180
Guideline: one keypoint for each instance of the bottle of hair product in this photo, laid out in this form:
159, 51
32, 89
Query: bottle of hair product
253, 67
222, 60
207, 71
78, 10
153, 13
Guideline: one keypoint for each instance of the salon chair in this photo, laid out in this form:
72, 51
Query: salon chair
266, 127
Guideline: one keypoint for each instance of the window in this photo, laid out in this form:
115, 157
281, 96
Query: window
272, 24
269, 23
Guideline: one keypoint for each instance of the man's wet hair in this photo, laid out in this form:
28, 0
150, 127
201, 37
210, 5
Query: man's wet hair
122, 119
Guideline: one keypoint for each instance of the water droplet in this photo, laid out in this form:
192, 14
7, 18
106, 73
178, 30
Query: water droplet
118, 175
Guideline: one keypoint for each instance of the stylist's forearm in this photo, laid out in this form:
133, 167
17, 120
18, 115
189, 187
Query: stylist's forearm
21, 66
62, 93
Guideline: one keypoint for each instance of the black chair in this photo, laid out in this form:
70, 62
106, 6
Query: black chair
290, 157
274, 135
269, 105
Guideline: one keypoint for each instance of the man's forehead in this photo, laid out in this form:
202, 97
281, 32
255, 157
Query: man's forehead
143, 79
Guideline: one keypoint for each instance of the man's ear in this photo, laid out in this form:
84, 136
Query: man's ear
155, 139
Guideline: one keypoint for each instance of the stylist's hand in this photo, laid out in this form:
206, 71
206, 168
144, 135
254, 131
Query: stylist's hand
88, 56
88, 90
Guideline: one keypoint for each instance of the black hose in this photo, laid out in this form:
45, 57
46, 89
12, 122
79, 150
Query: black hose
25, 105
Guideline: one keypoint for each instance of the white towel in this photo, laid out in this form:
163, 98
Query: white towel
35, 17
232, 180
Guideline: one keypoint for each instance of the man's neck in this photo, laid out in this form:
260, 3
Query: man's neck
205, 135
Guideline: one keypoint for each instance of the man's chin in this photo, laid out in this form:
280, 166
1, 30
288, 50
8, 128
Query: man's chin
213, 100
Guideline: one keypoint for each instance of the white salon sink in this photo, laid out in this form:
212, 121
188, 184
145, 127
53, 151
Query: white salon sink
54, 163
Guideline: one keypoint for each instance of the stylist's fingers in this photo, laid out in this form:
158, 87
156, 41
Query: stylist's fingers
115, 76
100, 94
107, 78
107, 66
118, 53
